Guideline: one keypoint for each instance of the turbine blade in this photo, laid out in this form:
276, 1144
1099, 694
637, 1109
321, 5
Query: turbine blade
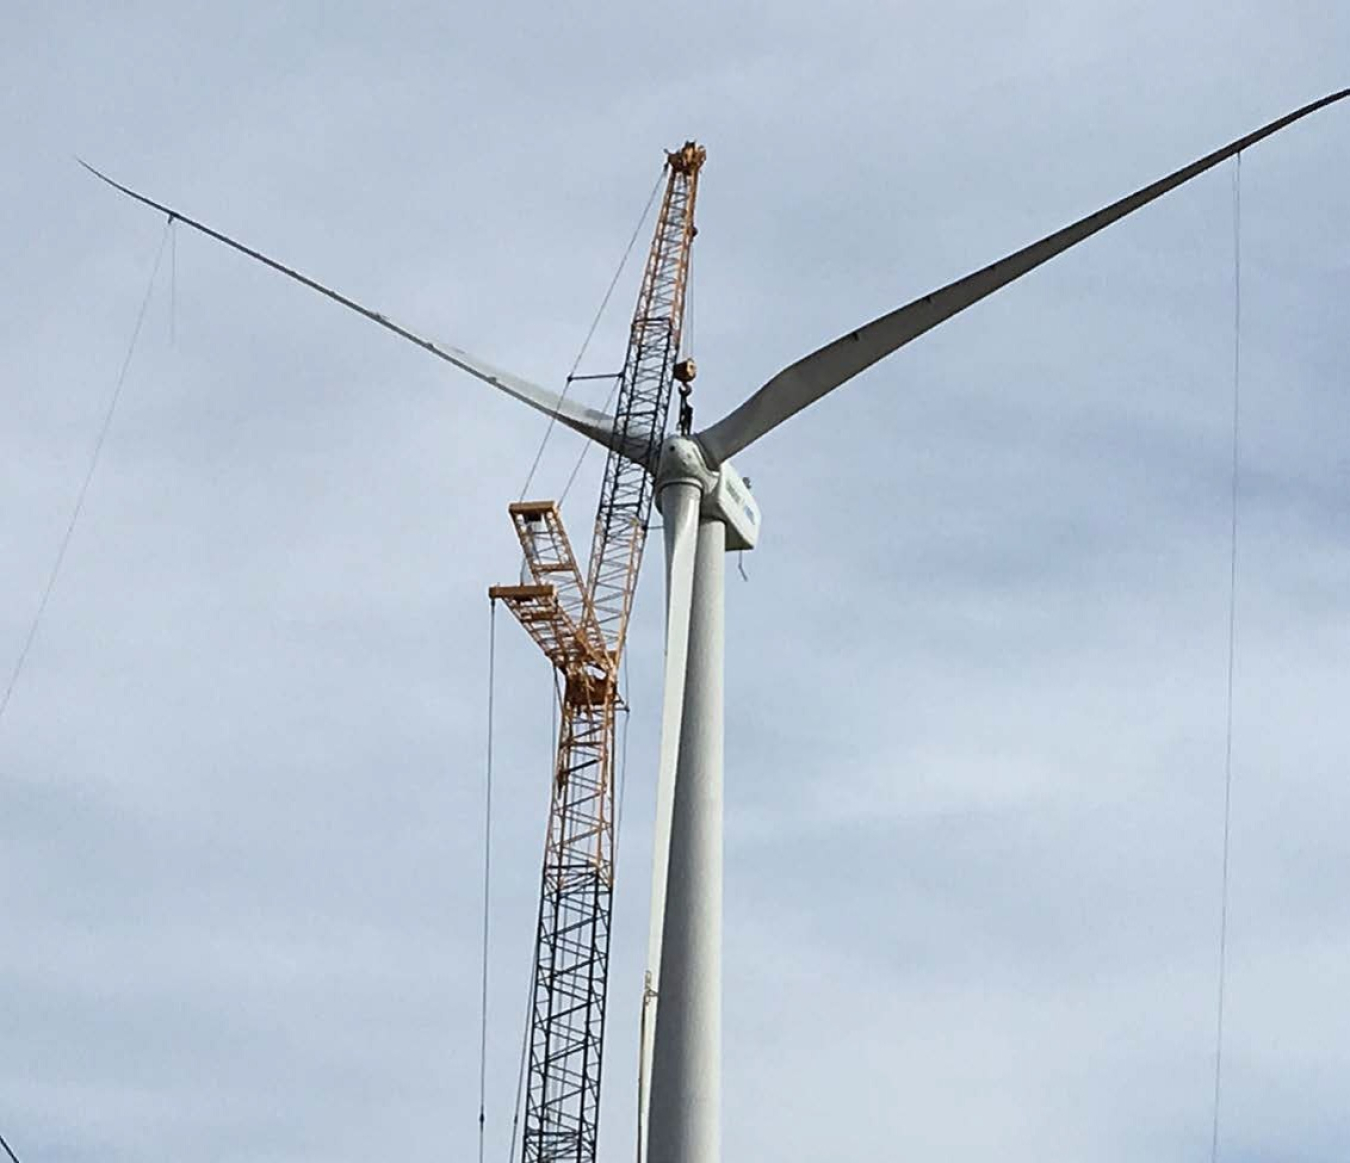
598, 426
819, 373
679, 515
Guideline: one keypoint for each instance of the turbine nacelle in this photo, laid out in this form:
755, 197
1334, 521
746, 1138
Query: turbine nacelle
725, 493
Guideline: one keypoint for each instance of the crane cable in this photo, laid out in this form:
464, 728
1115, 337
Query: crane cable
83, 491
487, 881
1232, 651
585, 345
626, 708
554, 703
173, 282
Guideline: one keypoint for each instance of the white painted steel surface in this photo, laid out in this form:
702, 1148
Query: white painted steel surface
684, 1120
819, 373
598, 426
679, 502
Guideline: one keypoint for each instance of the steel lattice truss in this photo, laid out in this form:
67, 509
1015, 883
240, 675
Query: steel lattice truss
643, 403
581, 628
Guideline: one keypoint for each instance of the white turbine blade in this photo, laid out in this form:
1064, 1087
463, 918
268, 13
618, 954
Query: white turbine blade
679, 514
819, 373
598, 426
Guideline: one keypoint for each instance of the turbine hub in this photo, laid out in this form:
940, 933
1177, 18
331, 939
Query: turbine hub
726, 494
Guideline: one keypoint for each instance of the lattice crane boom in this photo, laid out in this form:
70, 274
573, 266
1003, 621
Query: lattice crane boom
581, 627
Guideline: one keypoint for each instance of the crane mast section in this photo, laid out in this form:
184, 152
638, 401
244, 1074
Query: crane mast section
580, 625
643, 403
567, 1001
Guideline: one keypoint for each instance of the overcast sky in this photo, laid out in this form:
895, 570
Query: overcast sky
976, 679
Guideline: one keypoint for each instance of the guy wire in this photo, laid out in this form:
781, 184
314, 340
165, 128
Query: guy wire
1232, 652
84, 484
585, 343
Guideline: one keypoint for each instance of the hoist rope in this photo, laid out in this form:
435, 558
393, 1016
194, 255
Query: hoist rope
520, 1072
687, 336
1232, 653
586, 447
555, 698
623, 762
520, 1069
487, 880
590, 334
173, 282
83, 491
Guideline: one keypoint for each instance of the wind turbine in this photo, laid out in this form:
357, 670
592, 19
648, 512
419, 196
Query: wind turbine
707, 510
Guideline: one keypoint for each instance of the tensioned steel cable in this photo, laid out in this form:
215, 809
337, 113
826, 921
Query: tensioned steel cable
487, 881
585, 448
623, 762
555, 700
173, 283
1232, 652
520, 1070
84, 484
585, 343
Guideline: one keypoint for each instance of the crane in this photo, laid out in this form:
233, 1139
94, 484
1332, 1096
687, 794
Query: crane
580, 624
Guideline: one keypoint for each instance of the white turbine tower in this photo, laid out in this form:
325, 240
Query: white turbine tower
707, 509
